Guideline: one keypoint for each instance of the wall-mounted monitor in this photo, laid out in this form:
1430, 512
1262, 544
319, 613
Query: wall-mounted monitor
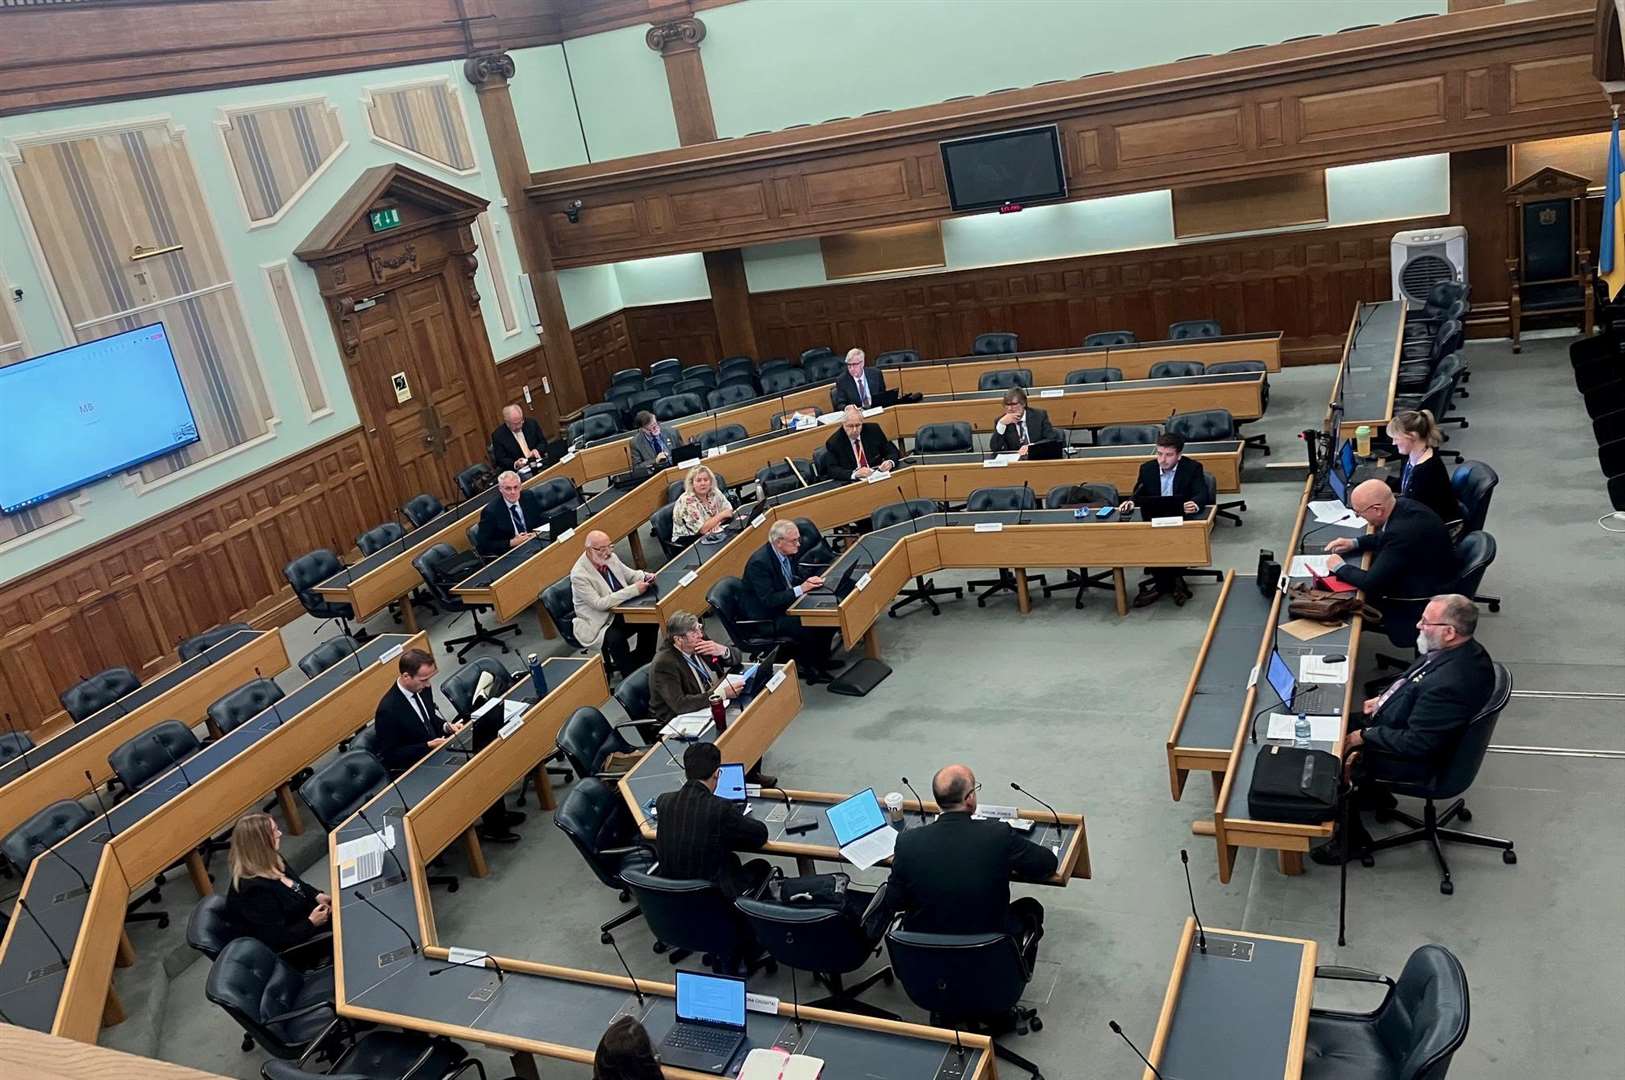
78, 415
1008, 167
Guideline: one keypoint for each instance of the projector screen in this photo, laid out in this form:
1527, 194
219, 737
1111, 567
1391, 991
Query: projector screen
83, 413
1020, 167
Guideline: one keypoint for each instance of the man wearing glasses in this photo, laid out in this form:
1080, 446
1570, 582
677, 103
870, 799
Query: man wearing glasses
1407, 733
599, 582
688, 669
857, 385
1413, 557
953, 875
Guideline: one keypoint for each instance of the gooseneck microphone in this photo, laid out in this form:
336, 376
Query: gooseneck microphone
381, 840
1021, 510
478, 961
1017, 787
40, 849
790, 813
410, 940
795, 999
22, 902
107, 820
1201, 934
22, 744
919, 802
607, 938
173, 760
1116, 1027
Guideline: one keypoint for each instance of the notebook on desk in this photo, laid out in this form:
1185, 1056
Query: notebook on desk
861, 830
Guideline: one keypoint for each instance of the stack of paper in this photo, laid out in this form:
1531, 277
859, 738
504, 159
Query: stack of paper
1334, 512
687, 725
362, 859
1305, 565
1314, 668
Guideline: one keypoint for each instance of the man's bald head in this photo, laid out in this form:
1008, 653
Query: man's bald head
954, 788
514, 417
599, 547
1374, 501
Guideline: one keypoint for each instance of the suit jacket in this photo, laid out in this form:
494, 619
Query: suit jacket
675, 689
876, 448
766, 594
846, 388
1424, 717
953, 876
1039, 429
594, 599
496, 523
644, 454
266, 909
403, 737
506, 447
697, 833
1414, 557
1430, 486
1190, 481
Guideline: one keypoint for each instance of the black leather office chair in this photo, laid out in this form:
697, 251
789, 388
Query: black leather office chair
781, 380
1194, 328
211, 637
378, 538
1474, 484
382, 1055
460, 686
13, 745
587, 739
722, 436
231, 711
1001, 498
700, 387
601, 408
1089, 375
1175, 369
778, 478
1067, 496
949, 437
335, 790
327, 654
1453, 780
308, 571
967, 981
1423, 322
897, 357
556, 494
1127, 435
595, 818
830, 944
48, 828
98, 692
1109, 337
633, 696
427, 565
210, 928
475, 479
641, 400
1412, 1035
422, 508
745, 377
993, 343
153, 752
823, 464
558, 600
772, 364
1005, 379
627, 377
822, 368
732, 394
662, 522
731, 364
925, 590
664, 383
691, 914
1475, 552
1241, 367
278, 1006
815, 353
678, 405
703, 372
592, 428
366, 739
755, 637
1209, 425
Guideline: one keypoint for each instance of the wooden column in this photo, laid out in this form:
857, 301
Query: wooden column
489, 73
678, 44
1473, 175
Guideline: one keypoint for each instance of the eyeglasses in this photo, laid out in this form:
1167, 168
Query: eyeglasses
1424, 622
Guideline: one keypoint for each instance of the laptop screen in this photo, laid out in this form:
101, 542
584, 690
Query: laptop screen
856, 817
1340, 487
1280, 677
731, 782
1345, 458
710, 999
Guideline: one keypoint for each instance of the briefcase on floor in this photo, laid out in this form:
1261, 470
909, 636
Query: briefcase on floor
1295, 785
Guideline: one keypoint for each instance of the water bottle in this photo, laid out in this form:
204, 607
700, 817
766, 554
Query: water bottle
537, 679
1300, 732
1362, 440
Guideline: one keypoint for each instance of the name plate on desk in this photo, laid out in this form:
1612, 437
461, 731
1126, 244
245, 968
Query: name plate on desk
873, 410
999, 813
510, 727
471, 957
688, 578
1166, 522
876, 476
563, 536
776, 681
717, 451
756, 522
990, 526
862, 583
390, 654
1053, 391
762, 1003
995, 462
571, 456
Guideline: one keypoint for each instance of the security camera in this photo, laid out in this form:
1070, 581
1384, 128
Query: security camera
573, 212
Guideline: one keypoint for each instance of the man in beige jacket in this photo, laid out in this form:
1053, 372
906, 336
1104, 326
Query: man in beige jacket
599, 581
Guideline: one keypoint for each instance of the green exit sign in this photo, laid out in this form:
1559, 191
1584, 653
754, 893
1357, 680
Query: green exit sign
387, 218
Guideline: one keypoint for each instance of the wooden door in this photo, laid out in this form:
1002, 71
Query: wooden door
459, 436
404, 433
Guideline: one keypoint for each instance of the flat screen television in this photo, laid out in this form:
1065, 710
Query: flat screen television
80, 414
1020, 167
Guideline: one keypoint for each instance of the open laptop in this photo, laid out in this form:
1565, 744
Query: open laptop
1160, 506
1339, 483
561, 521
710, 1026
1048, 450
685, 453
731, 781
861, 829
1313, 698
1345, 458
886, 398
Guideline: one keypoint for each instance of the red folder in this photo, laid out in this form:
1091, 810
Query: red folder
1334, 584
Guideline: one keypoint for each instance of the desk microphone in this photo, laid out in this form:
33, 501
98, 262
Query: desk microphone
478, 962
40, 849
410, 940
1119, 1030
607, 938
108, 821
913, 515
173, 760
22, 743
22, 902
406, 807
1021, 511
790, 813
795, 1000
1201, 934
669, 754
919, 802
1017, 787
386, 845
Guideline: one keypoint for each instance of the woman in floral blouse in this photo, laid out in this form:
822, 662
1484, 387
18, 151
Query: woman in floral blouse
701, 508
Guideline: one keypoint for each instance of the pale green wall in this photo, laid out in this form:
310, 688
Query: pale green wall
589, 293
113, 505
621, 89
664, 280
546, 111
773, 63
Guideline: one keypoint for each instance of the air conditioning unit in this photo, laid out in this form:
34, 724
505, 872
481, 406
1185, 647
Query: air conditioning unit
1420, 260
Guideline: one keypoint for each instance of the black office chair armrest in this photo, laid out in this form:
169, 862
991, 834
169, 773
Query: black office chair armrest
633, 724
626, 850
315, 1046
464, 1067
1349, 974
323, 938
295, 1014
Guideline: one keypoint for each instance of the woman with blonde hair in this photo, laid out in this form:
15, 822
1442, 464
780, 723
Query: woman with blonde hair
702, 508
1422, 477
267, 900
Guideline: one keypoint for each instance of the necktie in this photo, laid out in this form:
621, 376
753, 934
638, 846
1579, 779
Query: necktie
524, 448
518, 522
784, 566
658, 443
423, 714
863, 388
1415, 671
609, 576
1405, 476
700, 673
1021, 429
857, 453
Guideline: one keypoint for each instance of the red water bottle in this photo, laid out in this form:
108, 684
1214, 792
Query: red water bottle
719, 713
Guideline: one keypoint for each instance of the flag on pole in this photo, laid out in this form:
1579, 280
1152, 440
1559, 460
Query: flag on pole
1611, 257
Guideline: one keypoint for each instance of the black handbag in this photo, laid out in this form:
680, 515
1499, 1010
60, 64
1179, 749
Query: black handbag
811, 890
458, 568
1294, 785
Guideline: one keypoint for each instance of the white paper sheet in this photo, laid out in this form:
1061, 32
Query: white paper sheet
1314, 668
1322, 728
1303, 565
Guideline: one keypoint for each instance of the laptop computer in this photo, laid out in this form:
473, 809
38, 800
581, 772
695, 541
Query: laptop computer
685, 453
886, 398
1048, 450
1345, 458
731, 781
1160, 506
1314, 698
561, 521
710, 1026
1339, 483
861, 829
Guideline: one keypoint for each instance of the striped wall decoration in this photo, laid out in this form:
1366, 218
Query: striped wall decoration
277, 150
297, 335
425, 119
11, 339
491, 253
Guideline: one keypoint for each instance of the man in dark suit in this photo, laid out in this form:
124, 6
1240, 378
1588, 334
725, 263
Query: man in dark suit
408, 726
860, 448
773, 581
1172, 474
519, 441
953, 875
688, 667
653, 443
697, 832
1410, 730
1021, 425
511, 517
1413, 557
857, 385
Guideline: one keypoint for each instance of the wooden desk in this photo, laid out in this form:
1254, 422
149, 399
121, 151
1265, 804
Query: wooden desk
46, 1057
1368, 373
1146, 401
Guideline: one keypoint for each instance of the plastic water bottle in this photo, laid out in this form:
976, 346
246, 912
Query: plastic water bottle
1300, 732
537, 679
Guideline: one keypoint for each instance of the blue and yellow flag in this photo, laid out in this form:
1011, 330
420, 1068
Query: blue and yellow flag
1611, 257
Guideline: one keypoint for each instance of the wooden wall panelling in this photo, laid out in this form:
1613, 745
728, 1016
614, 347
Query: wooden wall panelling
1264, 202
603, 347
129, 599
1456, 82
686, 330
1477, 179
